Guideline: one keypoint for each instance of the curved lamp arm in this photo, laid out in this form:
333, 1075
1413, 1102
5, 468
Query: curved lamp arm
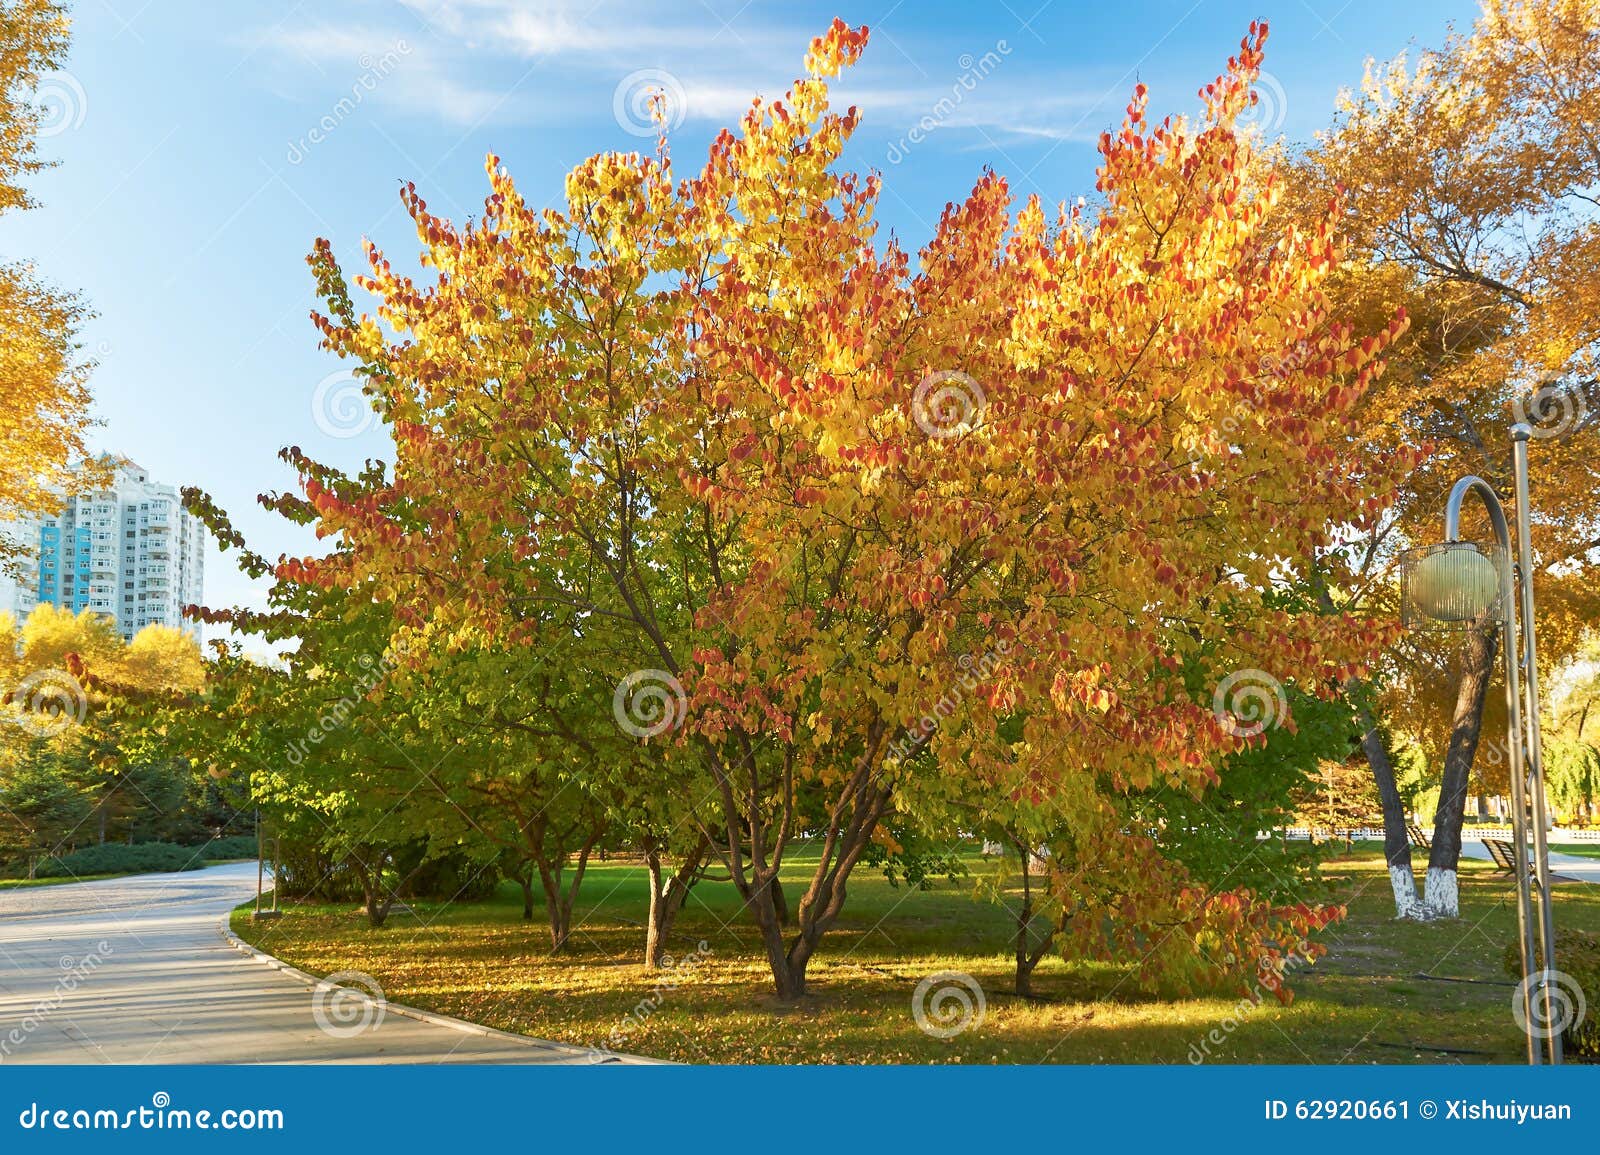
1491, 502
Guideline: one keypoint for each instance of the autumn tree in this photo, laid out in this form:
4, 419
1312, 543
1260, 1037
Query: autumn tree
81, 719
1469, 175
43, 383
368, 758
722, 431
1071, 899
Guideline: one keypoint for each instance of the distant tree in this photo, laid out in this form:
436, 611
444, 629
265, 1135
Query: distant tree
86, 709
41, 809
1468, 176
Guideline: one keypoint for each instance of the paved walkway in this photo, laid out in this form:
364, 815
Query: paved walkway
1570, 865
135, 970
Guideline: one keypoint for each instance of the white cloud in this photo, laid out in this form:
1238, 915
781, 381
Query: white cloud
475, 61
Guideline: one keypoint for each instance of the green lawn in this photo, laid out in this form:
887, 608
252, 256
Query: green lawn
1582, 849
1369, 1000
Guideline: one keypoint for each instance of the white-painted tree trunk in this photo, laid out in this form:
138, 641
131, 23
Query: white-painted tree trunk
1441, 896
1406, 903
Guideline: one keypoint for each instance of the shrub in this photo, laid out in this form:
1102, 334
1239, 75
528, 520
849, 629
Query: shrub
120, 858
230, 846
1577, 957
452, 877
306, 871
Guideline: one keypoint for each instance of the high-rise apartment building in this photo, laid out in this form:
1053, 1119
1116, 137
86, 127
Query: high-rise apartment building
130, 551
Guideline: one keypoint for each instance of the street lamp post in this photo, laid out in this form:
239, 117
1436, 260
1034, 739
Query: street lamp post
1457, 583
277, 853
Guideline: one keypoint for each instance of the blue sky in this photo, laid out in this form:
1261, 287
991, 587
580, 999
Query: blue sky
203, 147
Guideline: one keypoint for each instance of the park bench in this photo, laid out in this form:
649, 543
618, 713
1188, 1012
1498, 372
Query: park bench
1418, 839
1504, 855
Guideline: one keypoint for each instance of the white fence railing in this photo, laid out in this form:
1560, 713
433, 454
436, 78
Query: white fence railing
1468, 834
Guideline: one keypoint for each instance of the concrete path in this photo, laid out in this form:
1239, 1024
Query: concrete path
1570, 865
135, 970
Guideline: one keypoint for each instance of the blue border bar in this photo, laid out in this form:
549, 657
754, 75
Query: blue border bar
737, 1109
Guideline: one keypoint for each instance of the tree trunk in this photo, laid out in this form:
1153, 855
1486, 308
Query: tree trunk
667, 895
1396, 838
558, 912
372, 891
818, 908
525, 881
788, 980
780, 901
1441, 894
825, 897
1027, 956
559, 901
852, 818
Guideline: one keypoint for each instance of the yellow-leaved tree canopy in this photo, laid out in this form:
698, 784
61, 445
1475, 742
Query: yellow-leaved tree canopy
718, 435
1471, 182
44, 398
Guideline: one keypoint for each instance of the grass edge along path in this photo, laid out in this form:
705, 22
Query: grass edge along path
1387, 991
